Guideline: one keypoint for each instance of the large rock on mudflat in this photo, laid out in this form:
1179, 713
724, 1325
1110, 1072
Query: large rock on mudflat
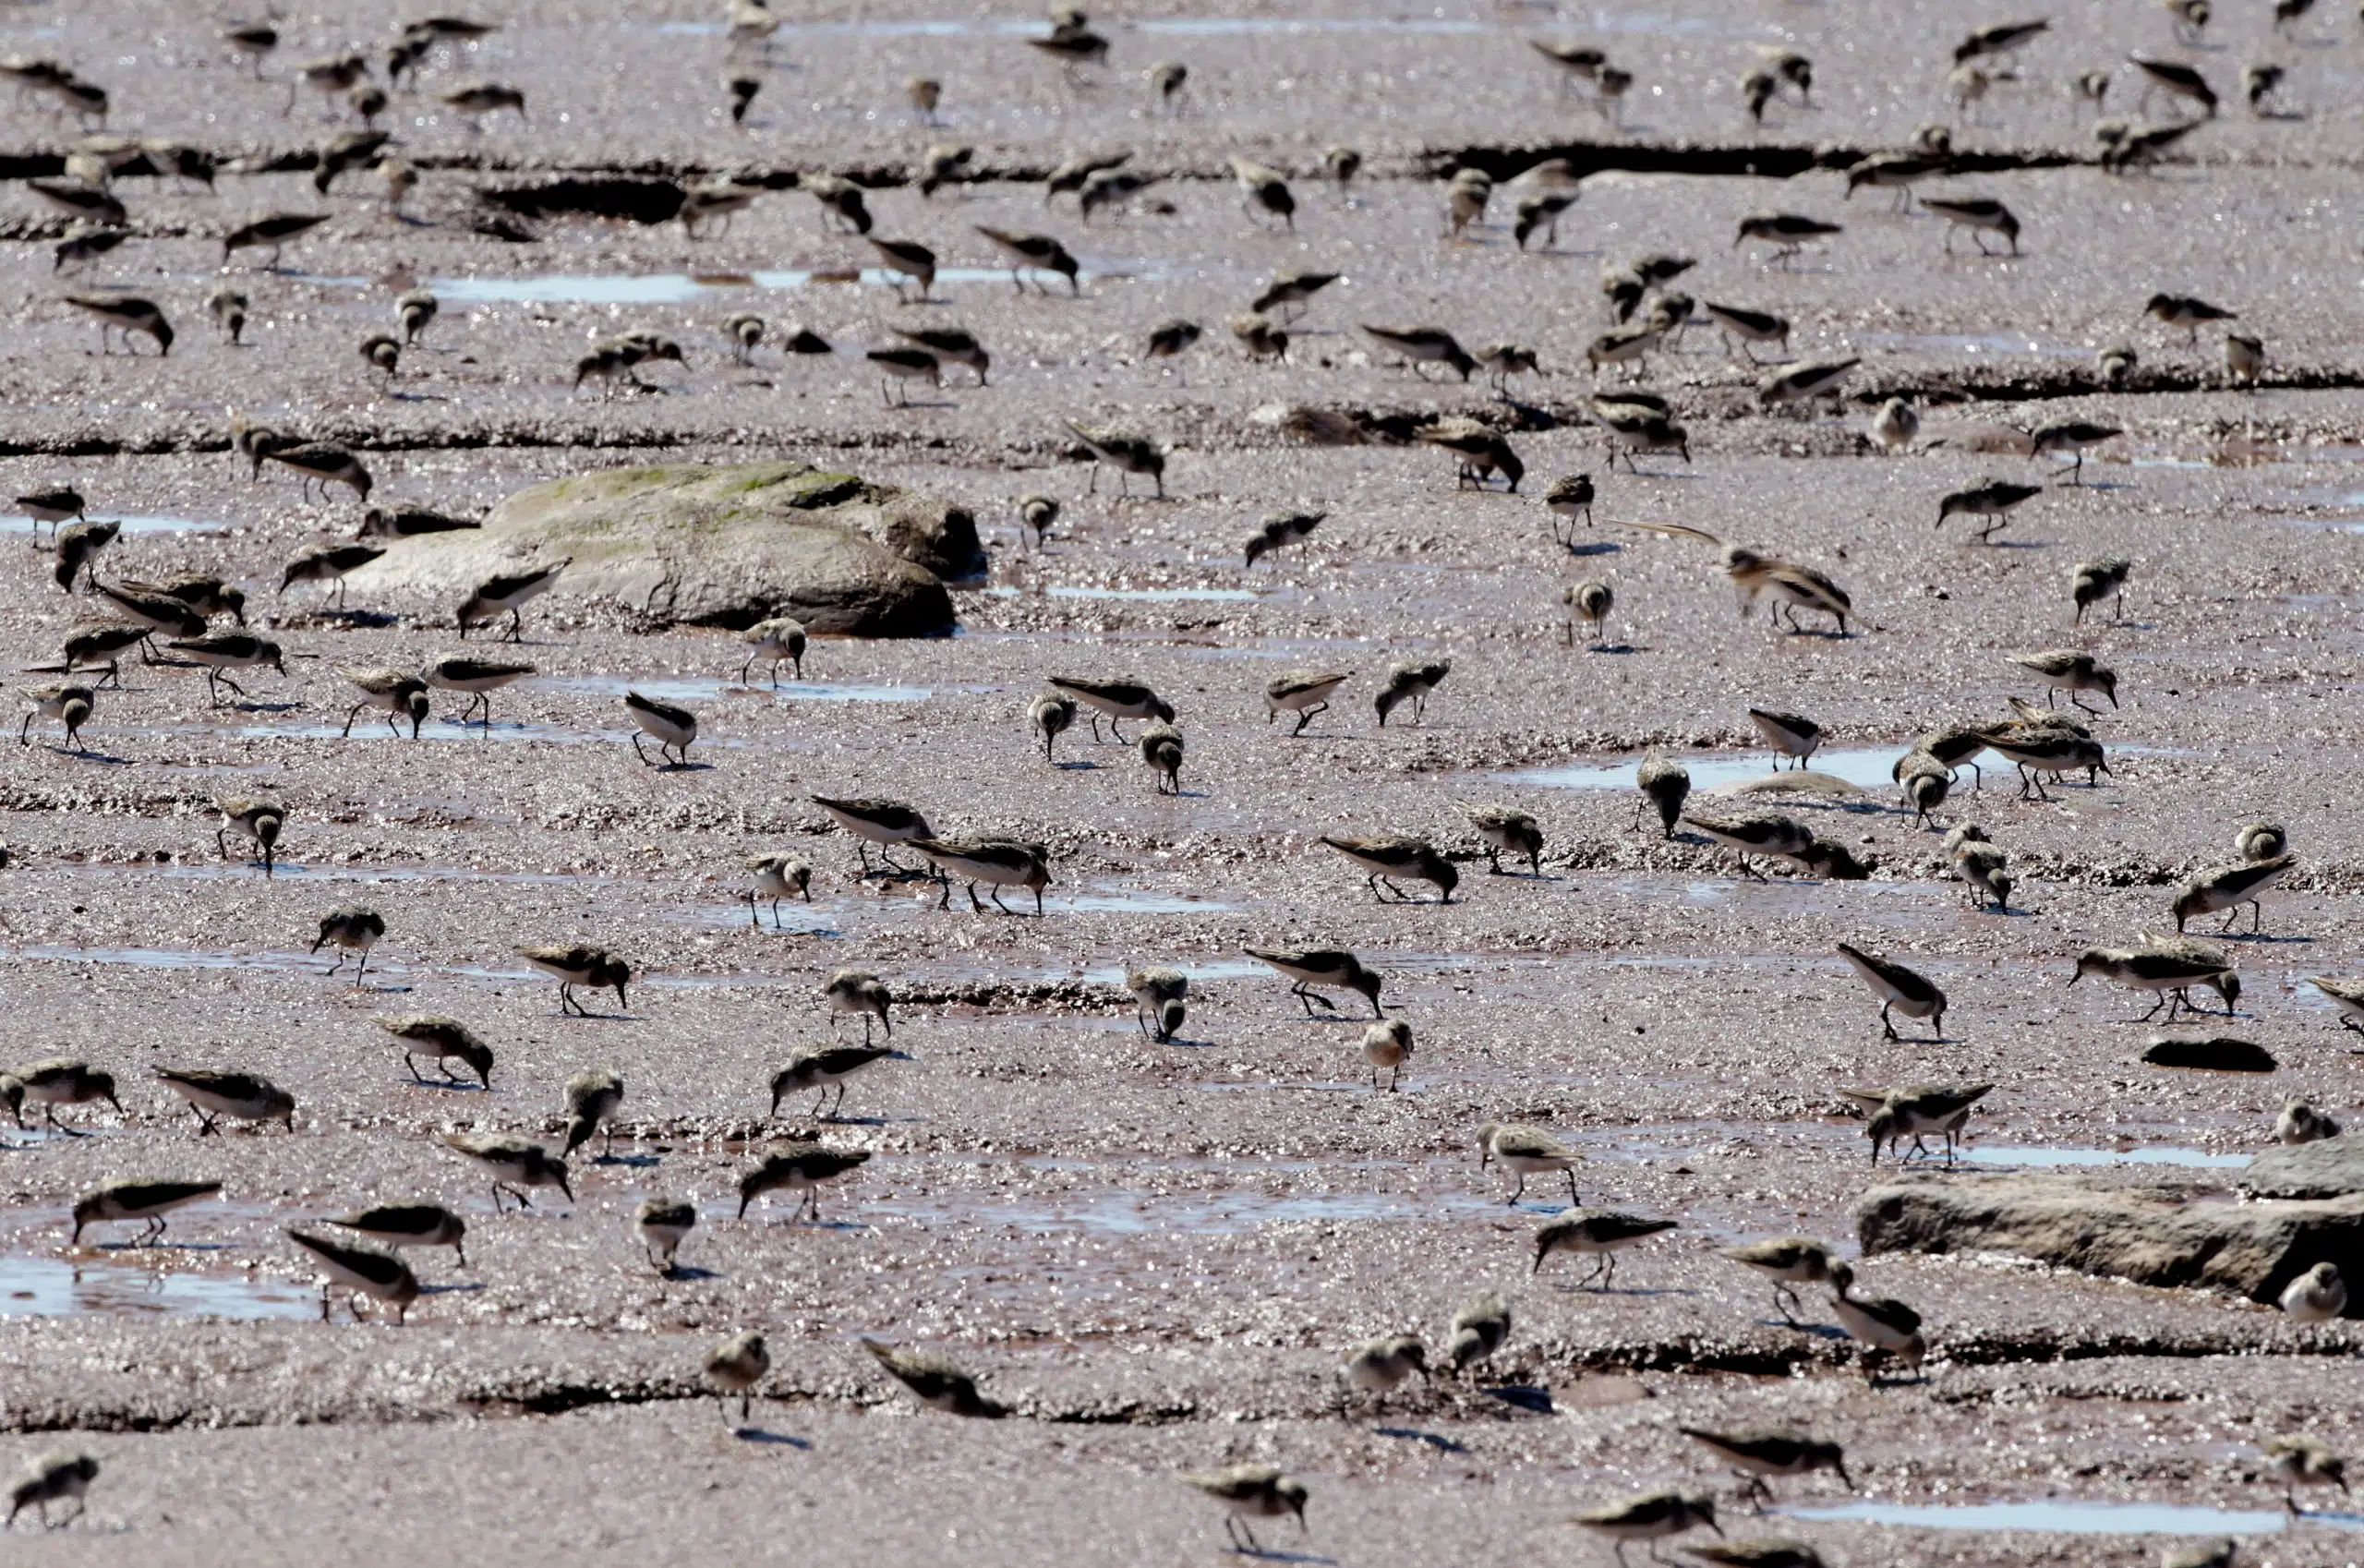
2329, 1167
690, 544
2151, 1235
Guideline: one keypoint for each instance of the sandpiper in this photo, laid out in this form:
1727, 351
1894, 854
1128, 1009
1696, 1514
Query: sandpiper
349, 928
1162, 749
2244, 359
477, 677
79, 545
1305, 692
68, 705
52, 505
138, 1198
1290, 292
1755, 1453
1748, 326
2230, 886
1278, 530
1896, 172
798, 1167
1917, 1111
1525, 1151
1652, 1516
1589, 600
1992, 500
935, 1382
126, 314
1538, 212
781, 640
1879, 1322
2102, 578
1386, 857
2187, 312
1506, 829
1786, 231
1665, 785
2070, 671
1479, 1328
260, 820
440, 1039
1900, 990
2315, 1296
671, 726
1790, 735
409, 1224
1050, 716
2347, 996
1116, 700
858, 990
509, 594
2167, 973
361, 1272
1803, 384
781, 874
394, 693
1127, 455
1423, 345
664, 1224
207, 595
321, 463
879, 822
2071, 436
60, 1081
1387, 1042
816, 1071
592, 1098
1410, 681
1896, 425
1169, 340
1250, 1491
218, 652
2040, 751
514, 1164
2303, 1460
1563, 498
954, 345
576, 965
2301, 1123
1160, 998
1756, 833
1263, 190
1786, 1261
996, 862
97, 646
2177, 80
1601, 1231
1982, 867
736, 1365
1379, 1366
1309, 966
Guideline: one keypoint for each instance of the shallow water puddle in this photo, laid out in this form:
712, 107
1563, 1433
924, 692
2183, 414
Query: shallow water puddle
1152, 594
1975, 344
50, 1287
292, 871
2079, 1518
1864, 766
682, 288
1201, 27
683, 689
1994, 1154
10, 523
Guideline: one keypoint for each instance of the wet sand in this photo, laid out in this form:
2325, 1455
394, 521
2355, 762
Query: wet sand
1159, 1255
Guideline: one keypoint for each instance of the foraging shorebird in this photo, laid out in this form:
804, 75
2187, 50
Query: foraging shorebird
271, 232
745, 331
1979, 216
1506, 829
69, 704
477, 677
1788, 233
135, 1197
2261, 841
1264, 190
1896, 171
1171, 339
1754, 833
79, 546
2230, 886
780, 874
672, 727
1379, 1366
323, 464
1588, 600
350, 928
1900, 990
1631, 427
2038, 751
1160, 748
2002, 38
1116, 700
508, 594
2302, 1460
736, 1365
2347, 996
996, 862
1803, 384
102, 646
1305, 692
2178, 80
479, 100
126, 314
1309, 966
2301, 1123
593, 1098
2071, 436
2115, 364
1652, 1516
858, 990
331, 564
1790, 735
52, 505
1291, 291
1423, 345
359, 1270
1250, 1491
61, 1081
955, 345
513, 1163
1879, 1322
935, 1382
1280, 529
1992, 500
1748, 326
880, 822
798, 1167
1786, 1261
1035, 253
1563, 498
906, 259
1896, 425
816, 1073
1483, 452
781, 640
1260, 338
577, 965
1039, 513
1981, 868
220, 652
2244, 359
1160, 996
1577, 62
260, 820
1481, 1327
1664, 785
2070, 671
1755, 1453
440, 1039
1127, 455
2167, 973
1604, 1232
664, 1224
408, 1224
1526, 1151
1050, 716
1390, 856
1410, 681
1387, 1042
903, 365
2316, 1296
2187, 312
1756, 576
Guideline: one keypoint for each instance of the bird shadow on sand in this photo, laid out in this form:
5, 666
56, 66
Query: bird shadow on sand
1598, 546
84, 754
636, 1162
1079, 765
780, 1440
452, 1085
161, 1244
251, 706
1627, 1290
329, 615
1275, 1554
1436, 1440
2262, 937
465, 1287
687, 1271
1528, 1397
1614, 648
1817, 1331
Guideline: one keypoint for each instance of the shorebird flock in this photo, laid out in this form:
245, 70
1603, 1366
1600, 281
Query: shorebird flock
176, 623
